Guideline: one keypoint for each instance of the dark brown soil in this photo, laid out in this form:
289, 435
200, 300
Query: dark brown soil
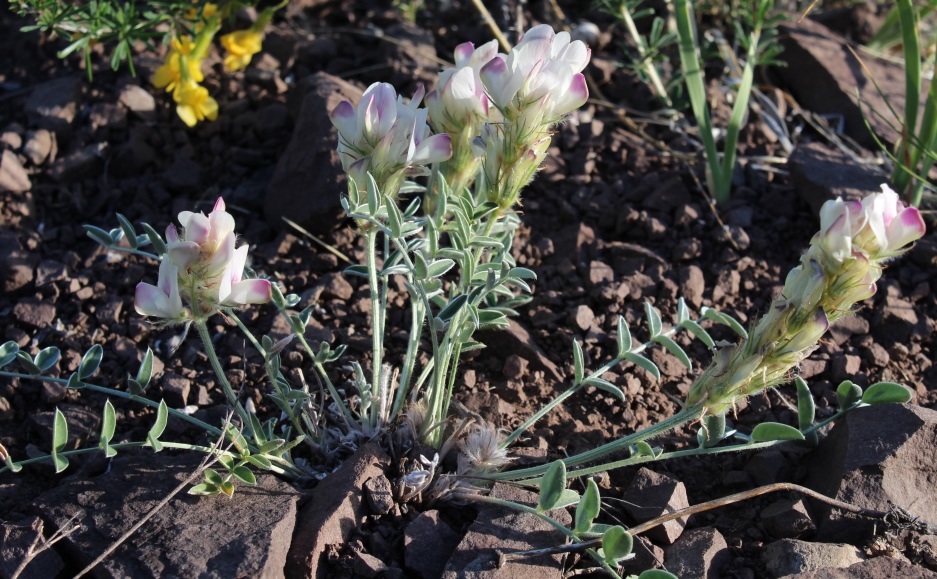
610, 222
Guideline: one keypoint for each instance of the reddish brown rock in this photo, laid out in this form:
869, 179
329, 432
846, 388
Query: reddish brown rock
334, 509
701, 553
499, 529
651, 495
309, 179
877, 457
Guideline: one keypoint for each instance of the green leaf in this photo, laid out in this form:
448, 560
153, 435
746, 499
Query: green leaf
259, 461
674, 349
59, 440
657, 574
129, 232
712, 431
806, 408
8, 353
653, 319
588, 508
14, 467
768, 431
452, 308
568, 498
90, 362
244, 474
373, 195
884, 392
27, 363
605, 385
522, 273
108, 424
133, 387
74, 383
552, 486
47, 358
99, 235
624, 337
698, 331
420, 267
59, 431
645, 449
358, 270
641, 361
578, 364
617, 544
162, 416
213, 477
272, 445
227, 488
158, 245
848, 394
439, 267
683, 314
146, 369
204, 490
394, 217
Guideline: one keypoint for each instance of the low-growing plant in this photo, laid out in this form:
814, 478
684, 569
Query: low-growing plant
187, 26
480, 140
916, 150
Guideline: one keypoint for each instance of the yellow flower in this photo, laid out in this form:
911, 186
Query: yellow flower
241, 46
208, 10
169, 75
193, 103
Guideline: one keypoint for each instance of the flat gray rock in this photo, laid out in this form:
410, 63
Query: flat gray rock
247, 535
501, 529
876, 457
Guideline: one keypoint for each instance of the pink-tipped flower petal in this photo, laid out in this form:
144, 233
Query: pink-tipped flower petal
344, 119
907, 227
463, 53
249, 291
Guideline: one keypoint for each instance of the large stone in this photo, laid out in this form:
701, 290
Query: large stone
500, 529
246, 535
699, 554
820, 173
877, 457
651, 495
13, 176
334, 509
309, 180
787, 519
54, 104
428, 542
17, 542
878, 568
823, 74
790, 556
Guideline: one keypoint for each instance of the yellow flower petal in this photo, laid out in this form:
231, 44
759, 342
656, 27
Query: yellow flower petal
187, 114
209, 108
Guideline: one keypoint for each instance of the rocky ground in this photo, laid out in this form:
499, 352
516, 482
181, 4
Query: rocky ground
611, 222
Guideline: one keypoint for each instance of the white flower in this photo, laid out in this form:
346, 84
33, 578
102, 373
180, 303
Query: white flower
384, 136
459, 99
543, 70
162, 300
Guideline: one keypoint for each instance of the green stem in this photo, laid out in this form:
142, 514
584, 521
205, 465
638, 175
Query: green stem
679, 419
693, 73
377, 338
219, 371
649, 69
120, 394
417, 316
576, 387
